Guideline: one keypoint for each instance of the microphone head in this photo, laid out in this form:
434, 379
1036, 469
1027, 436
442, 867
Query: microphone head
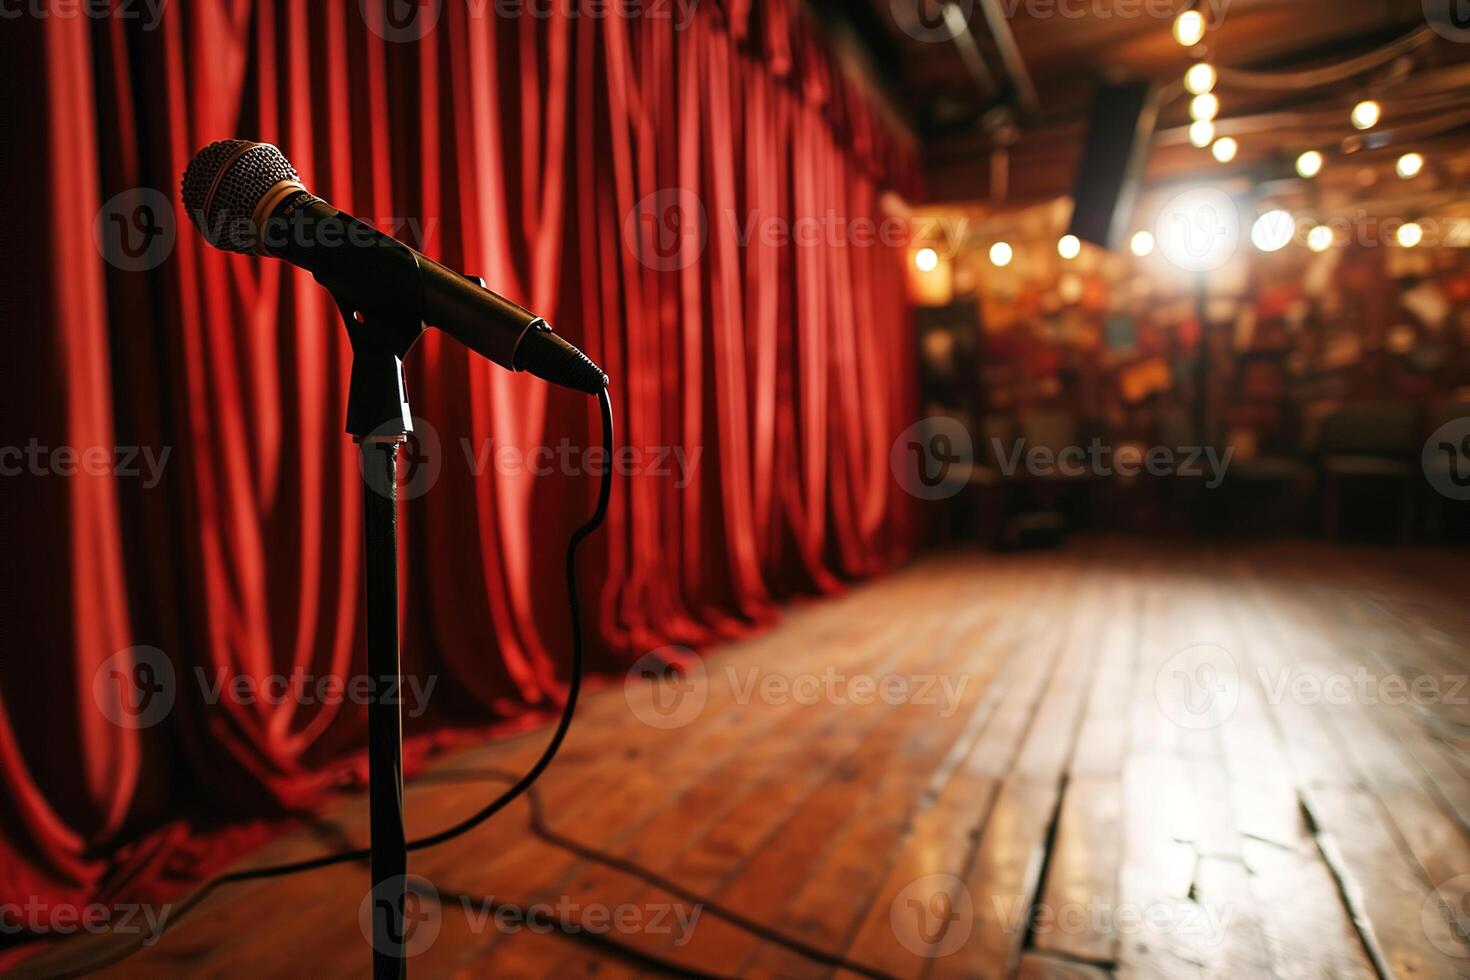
225, 186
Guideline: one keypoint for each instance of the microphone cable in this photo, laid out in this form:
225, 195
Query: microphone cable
521, 786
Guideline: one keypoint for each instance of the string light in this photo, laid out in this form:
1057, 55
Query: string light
1225, 149
1366, 114
1069, 247
1320, 238
1409, 165
926, 259
1410, 234
1202, 133
1273, 231
1309, 164
1200, 78
1204, 108
1189, 28
1001, 254
1142, 244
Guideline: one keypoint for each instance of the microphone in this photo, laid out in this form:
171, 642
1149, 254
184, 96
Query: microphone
246, 197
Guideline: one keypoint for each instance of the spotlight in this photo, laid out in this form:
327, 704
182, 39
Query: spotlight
1410, 234
1225, 149
1309, 164
1320, 238
1142, 244
1273, 231
926, 259
1202, 133
1200, 78
1409, 165
1366, 114
1069, 247
1204, 108
1189, 28
1001, 254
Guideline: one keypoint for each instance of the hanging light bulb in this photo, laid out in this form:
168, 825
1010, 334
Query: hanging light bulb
1189, 28
1225, 149
1069, 247
1202, 133
926, 259
1410, 234
1309, 164
1366, 114
1409, 165
1273, 231
1200, 78
1142, 244
1320, 238
1001, 254
1204, 108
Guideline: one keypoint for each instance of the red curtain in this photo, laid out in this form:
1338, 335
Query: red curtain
644, 182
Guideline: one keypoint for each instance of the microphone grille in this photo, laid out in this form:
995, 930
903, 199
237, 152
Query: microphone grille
223, 184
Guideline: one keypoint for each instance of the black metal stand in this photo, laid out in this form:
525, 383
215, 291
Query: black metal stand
379, 420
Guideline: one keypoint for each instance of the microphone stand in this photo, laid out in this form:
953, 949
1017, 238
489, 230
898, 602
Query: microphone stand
379, 421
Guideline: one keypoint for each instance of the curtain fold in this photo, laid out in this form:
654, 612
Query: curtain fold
631, 179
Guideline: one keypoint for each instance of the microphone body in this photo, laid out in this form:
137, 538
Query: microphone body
245, 197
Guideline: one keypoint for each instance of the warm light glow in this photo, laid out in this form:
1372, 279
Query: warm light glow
1309, 164
1409, 165
1225, 149
1202, 134
1320, 238
1069, 247
1366, 114
1410, 235
1204, 108
1142, 244
1273, 231
926, 259
1200, 78
1001, 254
1189, 28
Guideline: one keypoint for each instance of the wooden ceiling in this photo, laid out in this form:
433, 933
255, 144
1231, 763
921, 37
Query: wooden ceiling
1067, 47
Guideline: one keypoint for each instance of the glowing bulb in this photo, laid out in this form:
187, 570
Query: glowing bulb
926, 259
1142, 244
1409, 165
1189, 28
1069, 247
1204, 108
1309, 164
1225, 149
1200, 78
1366, 114
1001, 254
1410, 234
1273, 231
1320, 238
1202, 133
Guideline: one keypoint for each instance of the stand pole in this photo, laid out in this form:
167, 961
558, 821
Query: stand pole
379, 457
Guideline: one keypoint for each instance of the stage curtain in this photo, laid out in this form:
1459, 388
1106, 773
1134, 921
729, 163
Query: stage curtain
761, 381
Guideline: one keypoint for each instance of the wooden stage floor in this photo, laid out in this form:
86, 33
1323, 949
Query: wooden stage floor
1156, 759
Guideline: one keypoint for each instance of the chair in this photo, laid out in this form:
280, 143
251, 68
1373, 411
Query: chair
1376, 441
